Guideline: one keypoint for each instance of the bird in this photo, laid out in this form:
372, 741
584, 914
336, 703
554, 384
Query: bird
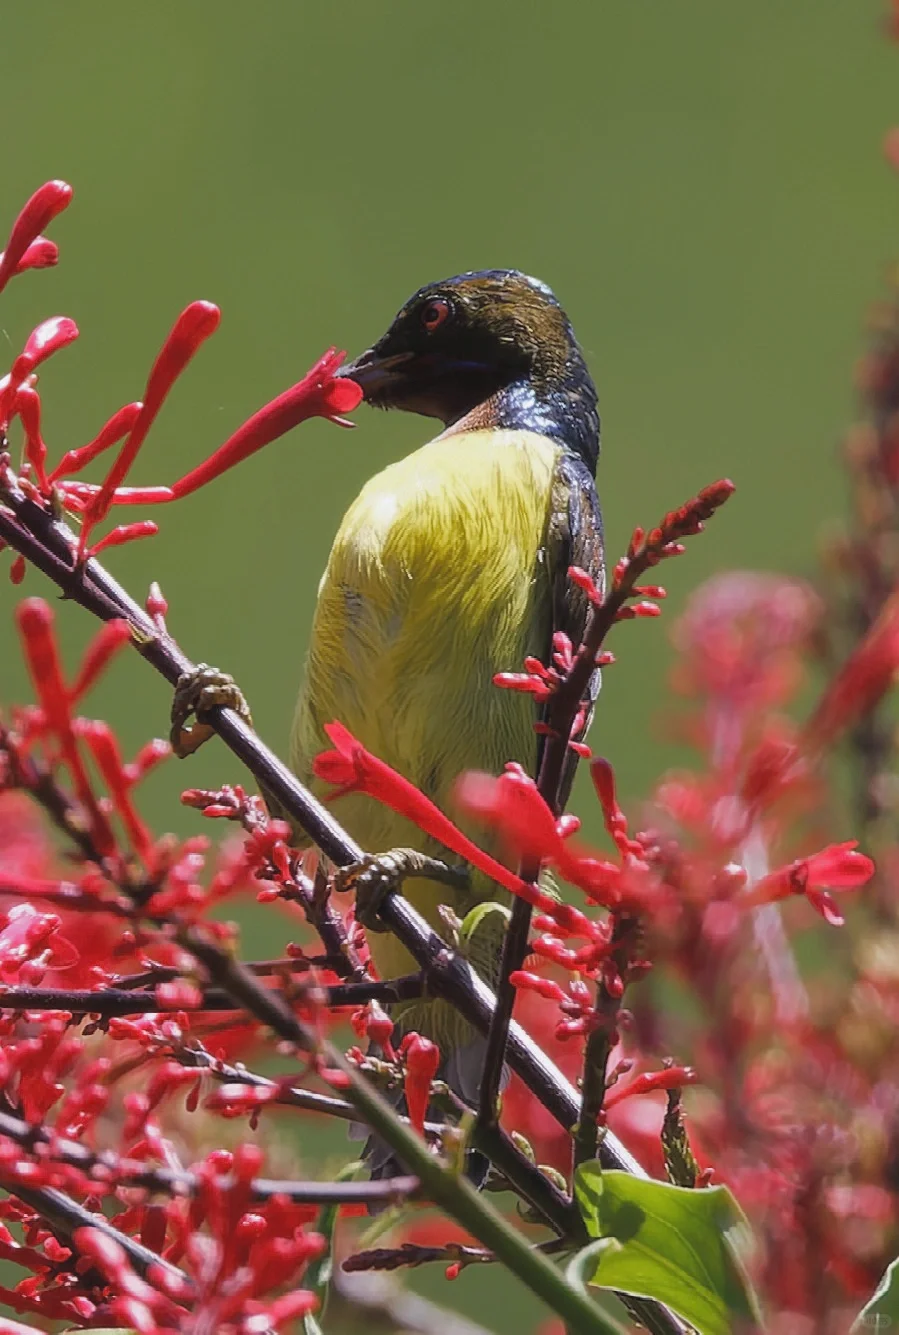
449, 567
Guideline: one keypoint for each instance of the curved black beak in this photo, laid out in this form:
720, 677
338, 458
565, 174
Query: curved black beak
374, 373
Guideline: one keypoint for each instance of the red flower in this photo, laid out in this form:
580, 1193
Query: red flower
422, 1059
354, 770
318, 394
861, 682
194, 325
836, 867
41, 208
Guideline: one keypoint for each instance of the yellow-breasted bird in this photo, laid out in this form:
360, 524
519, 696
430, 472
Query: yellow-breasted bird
449, 567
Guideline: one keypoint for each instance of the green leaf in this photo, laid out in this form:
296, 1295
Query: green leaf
318, 1275
882, 1309
682, 1247
583, 1264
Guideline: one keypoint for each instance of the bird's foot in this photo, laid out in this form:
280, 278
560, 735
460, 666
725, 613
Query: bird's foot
195, 694
375, 877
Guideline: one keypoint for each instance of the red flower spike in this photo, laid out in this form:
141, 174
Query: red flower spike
117, 537
114, 430
673, 1077
49, 337
103, 648
28, 409
101, 742
41, 209
41, 254
422, 1060
318, 394
194, 325
35, 621
17, 570
603, 777
43, 341
354, 770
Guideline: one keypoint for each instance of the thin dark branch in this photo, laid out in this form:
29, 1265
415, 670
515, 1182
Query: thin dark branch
110, 1001
601, 1041
111, 1168
162, 973
411, 1254
288, 1096
64, 1217
33, 776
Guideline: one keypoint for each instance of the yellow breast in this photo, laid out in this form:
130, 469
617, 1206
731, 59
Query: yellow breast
436, 581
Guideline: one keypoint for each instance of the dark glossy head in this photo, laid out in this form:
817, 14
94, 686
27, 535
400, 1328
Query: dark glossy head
492, 348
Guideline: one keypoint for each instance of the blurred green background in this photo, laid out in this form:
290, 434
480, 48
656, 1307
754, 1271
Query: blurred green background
702, 185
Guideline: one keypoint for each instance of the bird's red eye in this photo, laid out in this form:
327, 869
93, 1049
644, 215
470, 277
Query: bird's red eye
434, 314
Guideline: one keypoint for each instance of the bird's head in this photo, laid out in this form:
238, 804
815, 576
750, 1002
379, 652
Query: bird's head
459, 343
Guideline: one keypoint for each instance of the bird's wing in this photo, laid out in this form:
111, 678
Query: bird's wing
575, 539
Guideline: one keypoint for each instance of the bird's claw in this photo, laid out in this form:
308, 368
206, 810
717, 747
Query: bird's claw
376, 876
196, 693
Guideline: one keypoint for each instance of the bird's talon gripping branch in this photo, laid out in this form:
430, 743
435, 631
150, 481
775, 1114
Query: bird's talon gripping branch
196, 693
375, 877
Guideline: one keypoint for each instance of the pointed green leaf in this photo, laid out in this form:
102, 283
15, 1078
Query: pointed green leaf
680, 1246
581, 1267
881, 1311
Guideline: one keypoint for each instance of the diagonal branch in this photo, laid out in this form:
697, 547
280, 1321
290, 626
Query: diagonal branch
109, 1001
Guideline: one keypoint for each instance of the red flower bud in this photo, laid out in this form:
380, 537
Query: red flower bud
41, 209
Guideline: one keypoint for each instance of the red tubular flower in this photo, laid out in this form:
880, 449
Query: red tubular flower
101, 742
35, 620
861, 682
673, 1077
111, 637
28, 410
318, 394
41, 254
41, 209
603, 777
586, 583
513, 807
836, 867
42, 342
354, 770
547, 988
110, 434
422, 1059
194, 325
117, 537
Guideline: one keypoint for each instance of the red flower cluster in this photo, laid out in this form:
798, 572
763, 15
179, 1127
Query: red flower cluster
123, 1043
318, 394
